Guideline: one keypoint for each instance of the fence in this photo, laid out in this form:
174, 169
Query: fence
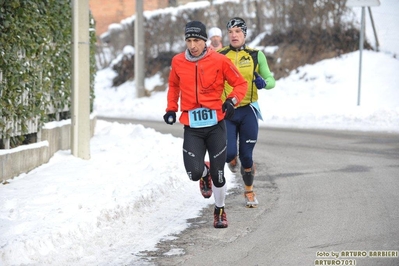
29, 126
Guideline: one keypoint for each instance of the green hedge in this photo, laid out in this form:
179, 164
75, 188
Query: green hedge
35, 60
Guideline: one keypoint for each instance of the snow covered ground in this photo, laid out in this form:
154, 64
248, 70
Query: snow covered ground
133, 190
323, 95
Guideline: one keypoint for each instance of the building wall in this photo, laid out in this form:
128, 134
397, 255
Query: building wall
106, 12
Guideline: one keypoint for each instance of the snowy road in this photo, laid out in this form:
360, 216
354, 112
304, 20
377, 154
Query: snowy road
322, 194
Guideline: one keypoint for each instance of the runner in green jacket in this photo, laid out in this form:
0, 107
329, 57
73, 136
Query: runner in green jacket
242, 128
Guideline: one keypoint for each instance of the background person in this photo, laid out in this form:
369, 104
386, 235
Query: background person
197, 78
243, 127
215, 38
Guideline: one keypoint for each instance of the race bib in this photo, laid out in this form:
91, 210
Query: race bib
255, 105
202, 117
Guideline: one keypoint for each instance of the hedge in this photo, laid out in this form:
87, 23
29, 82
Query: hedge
35, 61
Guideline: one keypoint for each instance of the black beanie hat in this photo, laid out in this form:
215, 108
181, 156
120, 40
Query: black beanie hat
195, 29
238, 22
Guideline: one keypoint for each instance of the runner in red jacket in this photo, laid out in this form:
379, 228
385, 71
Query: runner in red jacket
197, 79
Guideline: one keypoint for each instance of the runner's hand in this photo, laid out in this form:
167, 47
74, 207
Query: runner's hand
228, 109
170, 117
259, 81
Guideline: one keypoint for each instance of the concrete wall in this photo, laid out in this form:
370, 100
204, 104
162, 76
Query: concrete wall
27, 157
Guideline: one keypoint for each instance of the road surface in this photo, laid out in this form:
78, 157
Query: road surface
324, 197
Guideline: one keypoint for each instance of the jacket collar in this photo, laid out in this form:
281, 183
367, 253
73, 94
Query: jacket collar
239, 48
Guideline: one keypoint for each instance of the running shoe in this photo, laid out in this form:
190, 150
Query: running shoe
206, 184
220, 219
233, 165
250, 199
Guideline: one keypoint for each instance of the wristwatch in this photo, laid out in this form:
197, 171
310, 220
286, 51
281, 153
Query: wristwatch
234, 100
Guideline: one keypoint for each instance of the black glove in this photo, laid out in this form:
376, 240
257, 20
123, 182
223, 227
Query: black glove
259, 81
170, 117
228, 108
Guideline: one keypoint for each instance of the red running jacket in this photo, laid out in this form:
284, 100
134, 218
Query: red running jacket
201, 84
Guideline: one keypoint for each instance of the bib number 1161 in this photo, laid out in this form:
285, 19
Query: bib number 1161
202, 117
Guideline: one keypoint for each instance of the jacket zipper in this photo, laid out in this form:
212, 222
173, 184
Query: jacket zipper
252, 84
196, 81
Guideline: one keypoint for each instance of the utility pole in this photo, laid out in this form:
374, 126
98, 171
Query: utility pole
80, 126
139, 65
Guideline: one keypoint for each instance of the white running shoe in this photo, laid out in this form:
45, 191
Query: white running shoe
250, 199
233, 165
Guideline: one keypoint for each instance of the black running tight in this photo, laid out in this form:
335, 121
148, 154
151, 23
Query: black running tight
197, 141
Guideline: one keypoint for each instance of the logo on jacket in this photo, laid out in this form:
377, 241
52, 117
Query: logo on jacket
245, 61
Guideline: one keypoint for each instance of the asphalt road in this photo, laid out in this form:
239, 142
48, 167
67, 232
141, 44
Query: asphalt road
325, 198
